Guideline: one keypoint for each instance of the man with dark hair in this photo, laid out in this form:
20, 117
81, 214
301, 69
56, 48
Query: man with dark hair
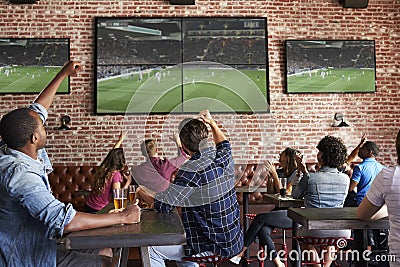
204, 189
365, 172
31, 219
382, 200
362, 177
16, 135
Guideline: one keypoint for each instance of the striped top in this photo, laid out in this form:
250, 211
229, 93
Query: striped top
386, 189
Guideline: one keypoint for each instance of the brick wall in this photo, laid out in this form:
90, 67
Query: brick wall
297, 120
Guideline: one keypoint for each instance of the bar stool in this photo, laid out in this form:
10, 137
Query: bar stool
204, 260
320, 243
251, 216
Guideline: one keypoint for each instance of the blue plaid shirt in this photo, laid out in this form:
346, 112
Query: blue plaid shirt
204, 188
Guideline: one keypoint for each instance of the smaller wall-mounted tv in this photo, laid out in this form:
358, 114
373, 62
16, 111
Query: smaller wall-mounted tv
330, 66
27, 65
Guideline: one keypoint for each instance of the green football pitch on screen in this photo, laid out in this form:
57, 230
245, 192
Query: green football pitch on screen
18, 79
160, 91
332, 81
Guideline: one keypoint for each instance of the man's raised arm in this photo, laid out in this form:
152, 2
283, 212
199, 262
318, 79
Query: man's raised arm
46, 96
218, 135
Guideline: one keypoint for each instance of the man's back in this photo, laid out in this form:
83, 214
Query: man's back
364, 174
210, 211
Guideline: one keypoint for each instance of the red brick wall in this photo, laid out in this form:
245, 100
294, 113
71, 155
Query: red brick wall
297, 120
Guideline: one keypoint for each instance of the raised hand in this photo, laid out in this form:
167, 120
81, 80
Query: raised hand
71, 68
205, 116
270, 166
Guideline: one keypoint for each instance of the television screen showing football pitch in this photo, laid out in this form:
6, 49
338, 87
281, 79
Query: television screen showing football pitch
173, 65
215, 87
330, 66
28, 65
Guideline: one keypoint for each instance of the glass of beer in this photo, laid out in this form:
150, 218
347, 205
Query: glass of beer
132, 193
120, 198
282, 190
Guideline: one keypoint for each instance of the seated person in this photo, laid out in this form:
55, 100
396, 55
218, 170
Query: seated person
382, 200
264, 223
110, 175
326, 188
155, 173
204, 189
365, 172
360, 181
288, 169
35, 219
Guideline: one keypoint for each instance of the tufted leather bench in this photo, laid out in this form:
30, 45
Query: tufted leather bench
71, 184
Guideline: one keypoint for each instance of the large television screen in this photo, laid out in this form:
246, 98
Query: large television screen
180, 65
330, 66
27, 65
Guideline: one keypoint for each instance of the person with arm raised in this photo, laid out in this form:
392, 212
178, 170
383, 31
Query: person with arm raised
35, 219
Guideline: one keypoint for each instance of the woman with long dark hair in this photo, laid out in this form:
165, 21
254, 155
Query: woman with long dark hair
264, 223
110, 175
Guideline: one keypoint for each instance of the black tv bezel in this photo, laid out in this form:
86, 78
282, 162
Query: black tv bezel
67, 53
285, 44
267, 93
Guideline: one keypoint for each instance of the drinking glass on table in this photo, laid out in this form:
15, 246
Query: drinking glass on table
132, 193
282, 190
120, 198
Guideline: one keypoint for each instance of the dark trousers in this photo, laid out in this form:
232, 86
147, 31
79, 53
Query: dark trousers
262, 226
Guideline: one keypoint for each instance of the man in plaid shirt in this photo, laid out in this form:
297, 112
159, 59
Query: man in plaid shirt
204, 188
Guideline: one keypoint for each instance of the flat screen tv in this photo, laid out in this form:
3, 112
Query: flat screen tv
330, 66
27, 65
180, 65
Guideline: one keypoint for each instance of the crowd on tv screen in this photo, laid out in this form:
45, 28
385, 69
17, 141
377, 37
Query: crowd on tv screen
230, 51
34, 54
349, 57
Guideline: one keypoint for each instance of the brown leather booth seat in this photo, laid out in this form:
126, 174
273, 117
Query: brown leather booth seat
244, 175
71, 184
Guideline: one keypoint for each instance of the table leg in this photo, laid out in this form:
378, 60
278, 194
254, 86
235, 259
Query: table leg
295, 258
361, 245
245, 219
123, 258
145, 256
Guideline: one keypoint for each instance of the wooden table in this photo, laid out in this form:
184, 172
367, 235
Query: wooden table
283, 202
246, 190
332, 218
154, 229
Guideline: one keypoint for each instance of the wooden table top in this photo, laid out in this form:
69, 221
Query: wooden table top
283, 202
154, 229
250, 189
333, 218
